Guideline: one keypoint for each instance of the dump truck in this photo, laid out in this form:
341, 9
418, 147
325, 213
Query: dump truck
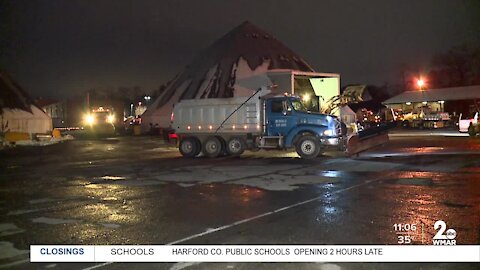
230, 126
100, 121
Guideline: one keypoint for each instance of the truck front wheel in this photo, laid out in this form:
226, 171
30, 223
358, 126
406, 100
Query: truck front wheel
472, 131
212, 147
189, 147
308, 147
236, 146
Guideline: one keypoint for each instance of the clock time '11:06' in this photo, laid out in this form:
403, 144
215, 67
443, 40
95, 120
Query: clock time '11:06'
403, 232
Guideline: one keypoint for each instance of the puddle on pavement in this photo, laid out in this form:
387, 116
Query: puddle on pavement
42, 200
110, 199
112, 178
329, 209
22, 212
186, 184
415, 181
9, 229
9, 251
54, 221
277, 182
93, 186
456, 205
110, 225
421, 201
332, 173
424, 149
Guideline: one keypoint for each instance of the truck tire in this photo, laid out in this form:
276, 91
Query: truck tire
212, 147
189, 147
236, 146
198, 148
308, 147
472, 132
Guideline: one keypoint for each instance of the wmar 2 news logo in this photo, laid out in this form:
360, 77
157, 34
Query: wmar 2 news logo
444, 237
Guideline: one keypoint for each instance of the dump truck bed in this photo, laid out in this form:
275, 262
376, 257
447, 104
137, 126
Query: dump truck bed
207, 115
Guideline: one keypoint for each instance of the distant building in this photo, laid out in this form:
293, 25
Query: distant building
463, 100
55, 109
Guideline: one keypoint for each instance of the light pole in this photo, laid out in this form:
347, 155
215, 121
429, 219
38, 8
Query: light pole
421, 84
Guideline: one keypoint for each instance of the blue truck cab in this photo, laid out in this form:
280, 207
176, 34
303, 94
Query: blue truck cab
288, 121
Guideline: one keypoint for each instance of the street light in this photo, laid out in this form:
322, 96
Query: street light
420, 83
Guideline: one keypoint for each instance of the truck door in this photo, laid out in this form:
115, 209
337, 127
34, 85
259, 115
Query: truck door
279, 117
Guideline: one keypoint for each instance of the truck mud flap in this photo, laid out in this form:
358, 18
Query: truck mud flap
357, 144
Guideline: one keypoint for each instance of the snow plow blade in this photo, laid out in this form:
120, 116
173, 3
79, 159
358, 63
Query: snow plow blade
367, 139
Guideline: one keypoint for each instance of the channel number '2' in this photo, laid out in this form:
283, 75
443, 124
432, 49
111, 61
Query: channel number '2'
441, 226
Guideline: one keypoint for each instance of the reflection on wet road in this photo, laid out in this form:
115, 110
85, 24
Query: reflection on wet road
138, 191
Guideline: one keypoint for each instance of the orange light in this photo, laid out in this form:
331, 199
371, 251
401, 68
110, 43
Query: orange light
245, 126
188, 127
199, 127
420, 83
233, 126
210, 127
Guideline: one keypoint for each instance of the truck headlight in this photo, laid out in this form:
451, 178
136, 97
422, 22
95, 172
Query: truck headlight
89, 119
111, 118
328, 132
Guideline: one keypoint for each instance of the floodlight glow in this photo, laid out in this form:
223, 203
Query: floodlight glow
89, 119
420, 83
111, 118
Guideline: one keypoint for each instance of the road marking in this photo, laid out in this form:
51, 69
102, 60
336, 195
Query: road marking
221, 228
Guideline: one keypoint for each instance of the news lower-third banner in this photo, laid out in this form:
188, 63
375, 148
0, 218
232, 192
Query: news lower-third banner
254, 253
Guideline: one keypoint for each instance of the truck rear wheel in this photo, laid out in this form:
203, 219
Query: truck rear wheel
472, 131
236, 146
212, 147
189, 147
308, 147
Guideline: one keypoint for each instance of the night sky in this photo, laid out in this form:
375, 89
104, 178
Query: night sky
60, 48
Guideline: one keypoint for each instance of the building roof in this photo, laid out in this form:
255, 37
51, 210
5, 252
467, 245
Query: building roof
43, 102
452, 93
12, 96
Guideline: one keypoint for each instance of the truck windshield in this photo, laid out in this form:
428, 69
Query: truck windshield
298, 105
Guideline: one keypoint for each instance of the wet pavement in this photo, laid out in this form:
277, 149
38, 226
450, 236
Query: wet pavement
137, 190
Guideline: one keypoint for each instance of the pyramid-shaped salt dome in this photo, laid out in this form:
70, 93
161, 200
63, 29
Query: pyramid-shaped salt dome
245, 51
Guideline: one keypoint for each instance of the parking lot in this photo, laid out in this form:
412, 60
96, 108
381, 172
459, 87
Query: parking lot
139, 190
